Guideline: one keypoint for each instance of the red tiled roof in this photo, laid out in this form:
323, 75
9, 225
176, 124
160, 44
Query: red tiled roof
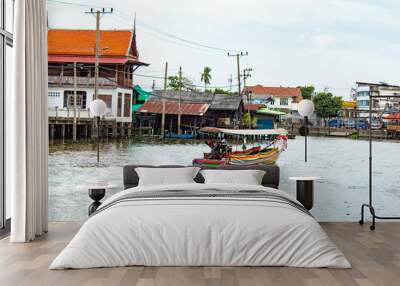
172, 107
114, 43
253, 106
72, 59
275, 91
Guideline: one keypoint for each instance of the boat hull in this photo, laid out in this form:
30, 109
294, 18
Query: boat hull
265, 158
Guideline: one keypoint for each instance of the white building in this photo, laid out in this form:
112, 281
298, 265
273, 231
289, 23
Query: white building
284, 98
379, 105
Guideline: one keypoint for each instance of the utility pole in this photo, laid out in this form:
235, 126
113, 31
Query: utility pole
238, 55
97, 13
246, 74
163, 102
74, 126
179, 101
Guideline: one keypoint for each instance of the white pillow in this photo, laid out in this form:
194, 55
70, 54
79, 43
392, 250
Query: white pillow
166, 176
247, 177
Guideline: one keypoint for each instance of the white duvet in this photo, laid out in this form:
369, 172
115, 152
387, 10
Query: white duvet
202, 232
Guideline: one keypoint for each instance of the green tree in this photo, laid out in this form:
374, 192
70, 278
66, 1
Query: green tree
327, 105
175, 84
247, 119
221, 91
206, 76
307, 91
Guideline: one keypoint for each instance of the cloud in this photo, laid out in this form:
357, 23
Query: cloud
290, 42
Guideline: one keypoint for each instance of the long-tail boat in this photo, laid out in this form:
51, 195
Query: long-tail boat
222, 153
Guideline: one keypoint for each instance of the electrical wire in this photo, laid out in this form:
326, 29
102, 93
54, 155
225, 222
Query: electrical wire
158, 77
188, 43
164, 38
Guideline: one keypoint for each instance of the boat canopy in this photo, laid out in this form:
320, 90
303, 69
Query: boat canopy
244, 132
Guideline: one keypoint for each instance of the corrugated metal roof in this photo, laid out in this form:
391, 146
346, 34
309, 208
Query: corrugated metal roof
253, 106
197, 109
216, 101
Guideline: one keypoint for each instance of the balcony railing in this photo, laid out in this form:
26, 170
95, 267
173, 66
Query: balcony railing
68, 113
81, 81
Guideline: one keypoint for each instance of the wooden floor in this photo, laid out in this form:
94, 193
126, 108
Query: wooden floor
375, 257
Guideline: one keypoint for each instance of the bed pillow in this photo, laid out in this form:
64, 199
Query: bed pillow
166, 176
247, 177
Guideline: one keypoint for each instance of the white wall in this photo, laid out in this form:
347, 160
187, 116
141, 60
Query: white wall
54, 102
277, 103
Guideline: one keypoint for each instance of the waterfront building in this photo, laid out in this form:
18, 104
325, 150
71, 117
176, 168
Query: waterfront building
197, 110
380, 106
119, 58
283, 98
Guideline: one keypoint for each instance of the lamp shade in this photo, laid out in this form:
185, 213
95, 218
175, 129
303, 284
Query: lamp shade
306, 107
98, 107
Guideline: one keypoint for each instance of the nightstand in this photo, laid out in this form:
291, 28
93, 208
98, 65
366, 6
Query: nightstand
96, 193
305, 190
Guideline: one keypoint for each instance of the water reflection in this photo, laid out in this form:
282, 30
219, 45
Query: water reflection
342, 165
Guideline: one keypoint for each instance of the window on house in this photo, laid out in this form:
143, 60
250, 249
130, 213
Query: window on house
119, 105
127, 105
80, 99
54, 94
362, 103
363, 93
107, 98
283, 101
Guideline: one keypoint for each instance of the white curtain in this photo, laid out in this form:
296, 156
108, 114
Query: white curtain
27, 127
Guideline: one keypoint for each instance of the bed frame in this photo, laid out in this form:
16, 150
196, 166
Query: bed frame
271, 177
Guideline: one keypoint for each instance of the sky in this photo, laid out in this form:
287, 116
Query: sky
327, 43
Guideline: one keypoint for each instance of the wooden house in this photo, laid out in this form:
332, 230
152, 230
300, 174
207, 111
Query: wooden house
118, 60
197, 110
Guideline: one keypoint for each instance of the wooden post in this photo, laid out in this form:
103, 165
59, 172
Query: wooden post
74, 126
52, 133
163, 102
179, 101
63, 132
122, 128
114, 132
86, 131
129, 130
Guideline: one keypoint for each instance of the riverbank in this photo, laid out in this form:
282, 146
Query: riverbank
381, 134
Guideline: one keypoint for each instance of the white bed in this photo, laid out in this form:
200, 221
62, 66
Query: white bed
200, 231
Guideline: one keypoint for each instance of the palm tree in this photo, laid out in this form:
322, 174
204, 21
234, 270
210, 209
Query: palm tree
206, 76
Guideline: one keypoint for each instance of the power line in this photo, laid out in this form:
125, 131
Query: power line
165, 38
156, 77
150, 27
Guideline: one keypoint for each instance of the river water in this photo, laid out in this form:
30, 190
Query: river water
341, 164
